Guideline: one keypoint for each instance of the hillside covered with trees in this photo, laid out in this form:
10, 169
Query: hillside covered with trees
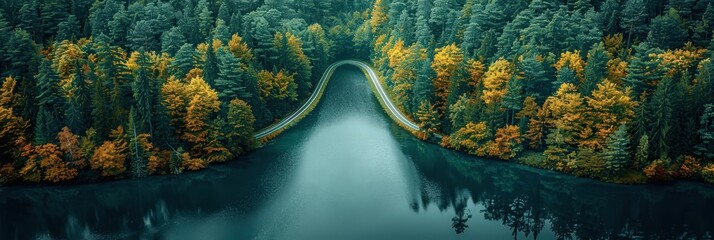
617, 90
111, 89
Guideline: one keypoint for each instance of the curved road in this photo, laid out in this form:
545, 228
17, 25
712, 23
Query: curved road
371, 75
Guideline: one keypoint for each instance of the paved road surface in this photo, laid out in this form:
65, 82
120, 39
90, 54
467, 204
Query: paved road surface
371, 75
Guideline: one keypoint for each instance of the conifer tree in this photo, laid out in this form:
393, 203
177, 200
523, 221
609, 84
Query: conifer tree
616, 153
142, 93
50, 104
230, 77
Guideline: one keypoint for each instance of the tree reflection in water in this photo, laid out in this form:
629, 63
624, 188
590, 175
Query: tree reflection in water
531, 201
459, 221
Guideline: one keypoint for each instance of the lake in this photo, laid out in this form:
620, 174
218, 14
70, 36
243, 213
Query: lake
348, 172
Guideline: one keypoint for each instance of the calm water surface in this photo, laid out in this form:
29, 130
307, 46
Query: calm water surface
347, 172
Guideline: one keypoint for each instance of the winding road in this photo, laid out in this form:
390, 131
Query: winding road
316, 95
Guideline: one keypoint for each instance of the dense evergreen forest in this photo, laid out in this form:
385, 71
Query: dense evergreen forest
618, 90
112, 89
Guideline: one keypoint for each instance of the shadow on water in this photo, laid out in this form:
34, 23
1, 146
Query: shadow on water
347, 172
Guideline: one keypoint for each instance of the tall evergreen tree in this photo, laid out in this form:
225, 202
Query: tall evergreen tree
659, 111
210, 66
596, 68
666, 32
183, 61
705, 148
78, 110
142, 93
424, 86
643, 69
634, 19
230, 77
616, 153
50, 103
68, 29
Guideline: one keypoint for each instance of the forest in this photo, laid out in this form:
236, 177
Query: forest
616, 90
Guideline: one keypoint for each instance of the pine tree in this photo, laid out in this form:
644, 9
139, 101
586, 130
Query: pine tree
68, 29
424, 86
705, 148
428, 118
596, 68
642, 154
230, 77
642, 69
240, 127
50, 103
210, 66
566, 75
52, 13
142, 93
634, 19
183, 61
172, 41
78, 110
205, 19
439, 14
119, 27
659, 119
221, 31
137, 154
513, 99
29, 18
472, 34
21, 56
616, 153
262, 41
536, 78
666, 32
609, 16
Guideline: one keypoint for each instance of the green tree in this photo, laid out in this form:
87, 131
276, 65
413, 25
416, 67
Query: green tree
595, 70
78, 109
536, 78
210, 66
513, 100
239, 127
705, 148
21, 55
634, 20
616, 152
119, 27
172, 41
428, 118
230, 77
50, 103
642, 154
183, 61
423, 86
659, 119
205, 19
643, 69
667, 32
142, 92
68, 29
609, 16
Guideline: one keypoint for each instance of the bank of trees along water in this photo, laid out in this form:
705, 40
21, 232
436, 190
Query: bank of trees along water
113, 89
618, 90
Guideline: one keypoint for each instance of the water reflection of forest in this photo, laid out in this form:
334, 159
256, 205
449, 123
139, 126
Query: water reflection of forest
530, 200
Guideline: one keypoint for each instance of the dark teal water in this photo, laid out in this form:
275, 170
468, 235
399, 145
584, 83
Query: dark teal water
348, 172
